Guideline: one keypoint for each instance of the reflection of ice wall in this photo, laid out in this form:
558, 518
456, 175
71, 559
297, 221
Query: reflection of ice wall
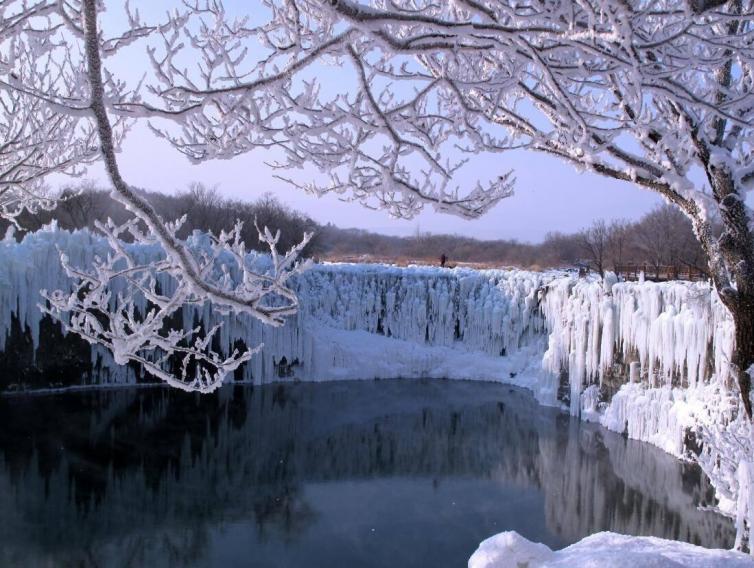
258, 449
573, 341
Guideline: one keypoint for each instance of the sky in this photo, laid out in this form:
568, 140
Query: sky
550, 195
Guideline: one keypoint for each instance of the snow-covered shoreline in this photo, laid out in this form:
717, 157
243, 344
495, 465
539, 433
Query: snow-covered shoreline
511, 550
645, 359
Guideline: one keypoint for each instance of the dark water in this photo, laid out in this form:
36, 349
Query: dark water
350, 474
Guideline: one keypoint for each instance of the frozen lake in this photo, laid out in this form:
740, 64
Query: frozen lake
354, 474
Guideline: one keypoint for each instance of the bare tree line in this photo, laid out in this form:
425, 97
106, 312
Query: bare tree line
661, 241
205, 209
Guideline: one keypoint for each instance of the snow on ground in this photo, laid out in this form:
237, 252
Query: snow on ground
601, 550
350, 355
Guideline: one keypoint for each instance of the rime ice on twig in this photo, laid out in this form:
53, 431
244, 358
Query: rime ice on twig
63, 109
130, 303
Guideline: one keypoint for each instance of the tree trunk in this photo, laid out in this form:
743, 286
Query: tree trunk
737, 248
731, 263
743, 356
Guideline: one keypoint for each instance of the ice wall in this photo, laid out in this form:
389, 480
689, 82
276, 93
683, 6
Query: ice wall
355, 321
597, 333
672, 333
651, 361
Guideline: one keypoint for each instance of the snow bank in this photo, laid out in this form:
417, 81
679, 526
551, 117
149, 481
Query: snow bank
511, 550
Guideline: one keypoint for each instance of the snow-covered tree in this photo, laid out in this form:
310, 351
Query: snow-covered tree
657, 93
36, 139
62, 109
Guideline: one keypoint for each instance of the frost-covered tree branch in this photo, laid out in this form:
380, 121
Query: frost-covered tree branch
247, 297
130, 303
254, 87
34, 143
71, 110
36, 138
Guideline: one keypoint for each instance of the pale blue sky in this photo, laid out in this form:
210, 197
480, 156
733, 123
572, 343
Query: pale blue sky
550, 195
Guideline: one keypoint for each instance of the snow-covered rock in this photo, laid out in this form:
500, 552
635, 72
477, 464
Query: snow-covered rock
600, 550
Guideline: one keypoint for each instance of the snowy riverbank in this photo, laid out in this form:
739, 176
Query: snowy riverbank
511, 550
645, 359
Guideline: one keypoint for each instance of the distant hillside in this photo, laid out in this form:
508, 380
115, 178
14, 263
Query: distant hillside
359, 245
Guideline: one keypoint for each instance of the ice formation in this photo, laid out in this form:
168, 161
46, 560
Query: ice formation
646, 359
485, 314
674, 333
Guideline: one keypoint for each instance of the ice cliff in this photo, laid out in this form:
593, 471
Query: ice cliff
348, 313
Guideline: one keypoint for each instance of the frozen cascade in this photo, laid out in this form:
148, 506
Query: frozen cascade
678, 332
480, 315
570, 340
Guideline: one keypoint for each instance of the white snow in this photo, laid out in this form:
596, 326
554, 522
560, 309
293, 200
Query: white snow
600, 550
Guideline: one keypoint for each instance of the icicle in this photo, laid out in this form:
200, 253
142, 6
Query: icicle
745, 505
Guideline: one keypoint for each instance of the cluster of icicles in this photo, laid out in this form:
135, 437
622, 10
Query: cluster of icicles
663, 334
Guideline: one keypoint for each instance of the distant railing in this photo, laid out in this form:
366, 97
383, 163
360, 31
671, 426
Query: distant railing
660, 273
406, 261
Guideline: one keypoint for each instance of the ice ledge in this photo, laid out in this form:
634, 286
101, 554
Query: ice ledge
511, 550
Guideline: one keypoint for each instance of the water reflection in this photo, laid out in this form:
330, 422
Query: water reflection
388, 473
